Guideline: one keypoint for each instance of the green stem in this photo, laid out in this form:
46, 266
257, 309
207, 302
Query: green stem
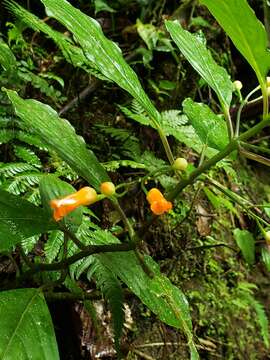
244, 103
233, 145
228, 119
265, 100
134, 239
255, 157
256, 148
166, 145
125, 220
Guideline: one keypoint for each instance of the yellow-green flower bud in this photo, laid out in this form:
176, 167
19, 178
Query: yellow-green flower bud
180, 164
237, 85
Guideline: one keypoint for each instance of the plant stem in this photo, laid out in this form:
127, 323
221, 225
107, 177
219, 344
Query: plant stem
228, 119
265, 100
255, 157
134, 240
244, 103
125, 220
256, 148
233, 145
88, 250
166, 145
66, 296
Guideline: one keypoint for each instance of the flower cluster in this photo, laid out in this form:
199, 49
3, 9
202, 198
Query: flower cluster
158, 204
88, 196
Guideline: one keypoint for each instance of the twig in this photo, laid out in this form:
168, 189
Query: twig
66, 296
202, 247
82, 95
63, 264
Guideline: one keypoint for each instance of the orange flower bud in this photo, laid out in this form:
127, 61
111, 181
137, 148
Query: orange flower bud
62, 207
158, 204
161, 206
107, 188
154, 195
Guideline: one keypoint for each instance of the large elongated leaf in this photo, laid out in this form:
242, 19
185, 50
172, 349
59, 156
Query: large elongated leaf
26, 326
60, 136
158, 293
20, 219
210, 128
201, 59
104, 53
246, 31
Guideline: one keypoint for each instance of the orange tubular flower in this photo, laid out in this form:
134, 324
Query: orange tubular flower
62, 207
158, 204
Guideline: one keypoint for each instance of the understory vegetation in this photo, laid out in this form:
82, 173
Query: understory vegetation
134, 179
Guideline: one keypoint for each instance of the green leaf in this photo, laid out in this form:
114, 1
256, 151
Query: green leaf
60, 136
266, 257
20, 219
7, 59
105, 54
247, 33
53, 188
201, 59
26, 326
246, 243
211, 129
148, 33
101, 5
157, 293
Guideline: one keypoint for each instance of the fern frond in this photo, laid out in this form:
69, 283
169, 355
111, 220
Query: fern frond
7, 121
140, 118
27, 155
6, 135
246, 291
29, 243
111, 288
34, 197
22, 183
151, 162
64, 170
12, 169
104, 278
40, 83
125, 139
53, 245
172, 120
261, 318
